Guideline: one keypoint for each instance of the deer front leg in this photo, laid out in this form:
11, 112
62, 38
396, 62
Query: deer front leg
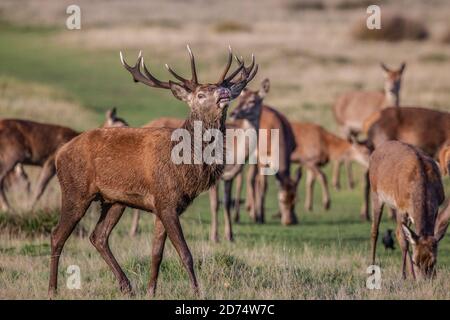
403, 244
237, 200
336, 174
260, 195
172, 225
325, 192
48, 171
109, 217
214, 205
135, 223
348, 167
227, 209
159, 240
377, 207
310, 178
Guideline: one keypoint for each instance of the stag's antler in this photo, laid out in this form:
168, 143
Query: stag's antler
147, 79
191, 84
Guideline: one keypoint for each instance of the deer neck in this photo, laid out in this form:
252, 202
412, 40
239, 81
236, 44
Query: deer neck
392, 98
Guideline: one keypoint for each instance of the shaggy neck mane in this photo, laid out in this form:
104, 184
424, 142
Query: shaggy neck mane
197, 178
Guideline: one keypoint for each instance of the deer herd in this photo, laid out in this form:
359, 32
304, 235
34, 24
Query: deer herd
405, 154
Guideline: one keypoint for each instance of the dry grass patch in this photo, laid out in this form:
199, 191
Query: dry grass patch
231, 26
393, 28
303, 5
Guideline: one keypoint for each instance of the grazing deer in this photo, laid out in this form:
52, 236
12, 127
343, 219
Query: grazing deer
409, 181
31, 143
133, 167
315, 148
426, 129
251, 108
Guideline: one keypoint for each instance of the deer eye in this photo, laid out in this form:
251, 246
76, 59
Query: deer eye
201, 96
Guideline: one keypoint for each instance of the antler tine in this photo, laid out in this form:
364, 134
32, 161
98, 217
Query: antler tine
228, 65
193, 69
235, 72
185, 81
147, 79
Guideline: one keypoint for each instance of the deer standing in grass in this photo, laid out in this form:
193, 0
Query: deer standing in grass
315, 148
25, 142
406, 179
230, 172
355, 109
251, 108
133, 167
426, 129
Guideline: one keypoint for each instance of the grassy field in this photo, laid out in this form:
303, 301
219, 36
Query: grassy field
51, 74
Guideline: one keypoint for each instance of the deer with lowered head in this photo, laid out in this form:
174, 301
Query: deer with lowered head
251, 108
26, 142
409, 181
426, 129
133, 167
315, 148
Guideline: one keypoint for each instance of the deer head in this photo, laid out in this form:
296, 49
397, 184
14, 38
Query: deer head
112, 120
250, 102
393, 81
424, 247
360, 151
208, 100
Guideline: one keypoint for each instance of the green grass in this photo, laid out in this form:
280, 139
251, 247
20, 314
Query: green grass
325, 256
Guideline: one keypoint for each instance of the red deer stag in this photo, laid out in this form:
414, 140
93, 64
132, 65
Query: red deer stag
426, 129
132, 167
32, 143
251, 108
409, 181
230, 172
315, 148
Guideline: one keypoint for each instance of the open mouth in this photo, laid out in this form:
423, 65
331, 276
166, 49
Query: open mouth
223, 98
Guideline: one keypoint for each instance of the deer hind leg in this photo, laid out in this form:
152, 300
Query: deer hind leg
72, 210
337, 174
110, 215
159, 240
227, 209
310, 178
171, 222
324, 184
260, 195
237, 200
48, 171
377, 207
20, 171
5, 168
134, 229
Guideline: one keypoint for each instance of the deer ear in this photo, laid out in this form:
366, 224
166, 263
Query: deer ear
410, 235
384, 67
265, 87
402, 67
111, 113
180, 92
442, 221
